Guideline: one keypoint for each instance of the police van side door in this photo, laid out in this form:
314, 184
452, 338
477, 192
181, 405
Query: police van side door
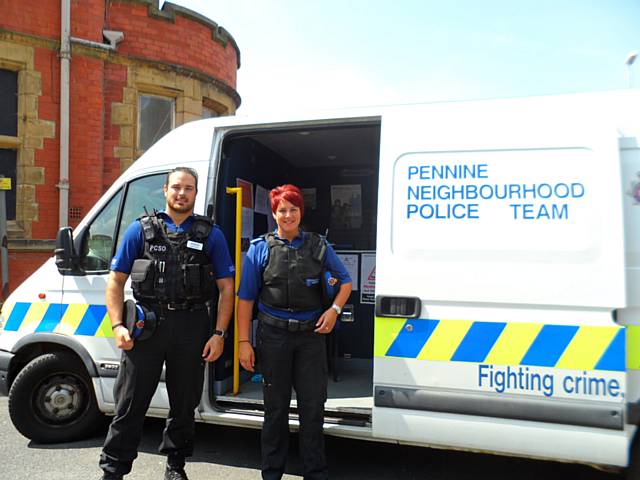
500, 259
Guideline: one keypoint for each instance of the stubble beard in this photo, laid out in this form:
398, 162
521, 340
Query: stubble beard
178, 208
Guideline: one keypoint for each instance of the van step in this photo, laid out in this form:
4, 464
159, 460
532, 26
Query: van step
354, 417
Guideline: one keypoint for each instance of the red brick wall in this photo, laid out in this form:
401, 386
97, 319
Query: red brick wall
87, 134
40, 17
185, 42
23, 264
115, 81
87, 19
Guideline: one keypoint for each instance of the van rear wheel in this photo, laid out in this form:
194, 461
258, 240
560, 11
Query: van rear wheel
52, 400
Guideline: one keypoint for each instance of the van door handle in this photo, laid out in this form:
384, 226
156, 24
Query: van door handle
403, 307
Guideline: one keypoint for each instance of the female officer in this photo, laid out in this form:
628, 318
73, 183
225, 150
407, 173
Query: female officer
282, 272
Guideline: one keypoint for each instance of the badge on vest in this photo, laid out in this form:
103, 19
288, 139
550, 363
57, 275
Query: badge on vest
194, 245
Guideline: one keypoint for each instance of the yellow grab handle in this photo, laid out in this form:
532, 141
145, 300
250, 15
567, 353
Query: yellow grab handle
237, 191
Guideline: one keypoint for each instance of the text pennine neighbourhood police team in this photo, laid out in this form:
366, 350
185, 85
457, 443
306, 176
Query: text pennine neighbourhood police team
182, 278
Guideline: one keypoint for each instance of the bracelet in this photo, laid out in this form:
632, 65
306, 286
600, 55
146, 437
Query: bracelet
120, 324
242, 341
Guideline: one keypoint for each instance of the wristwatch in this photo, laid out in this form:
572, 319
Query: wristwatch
337, 308
220, 333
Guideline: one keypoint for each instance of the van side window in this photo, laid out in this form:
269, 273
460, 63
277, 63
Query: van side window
145, 192
99, 241
99, 244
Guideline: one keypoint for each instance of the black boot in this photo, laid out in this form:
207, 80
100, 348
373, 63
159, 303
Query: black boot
111, 476
175, 473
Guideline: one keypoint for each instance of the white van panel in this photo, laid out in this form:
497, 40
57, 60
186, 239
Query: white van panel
537, 217
505, 219
530, 439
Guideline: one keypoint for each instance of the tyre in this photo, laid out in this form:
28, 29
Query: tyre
52, 400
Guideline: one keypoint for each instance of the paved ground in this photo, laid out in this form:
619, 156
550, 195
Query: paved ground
233, 454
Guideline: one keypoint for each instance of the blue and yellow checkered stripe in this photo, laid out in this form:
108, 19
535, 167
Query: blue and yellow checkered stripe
65, 318
611, 348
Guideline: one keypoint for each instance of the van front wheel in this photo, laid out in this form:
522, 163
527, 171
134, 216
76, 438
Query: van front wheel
52, 400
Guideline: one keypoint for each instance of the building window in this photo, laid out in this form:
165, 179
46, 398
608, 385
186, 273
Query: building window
211, 108
9, 130
156, 117
209, 112
8, 103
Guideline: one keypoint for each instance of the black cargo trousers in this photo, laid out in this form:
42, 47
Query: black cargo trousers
177, 342
293, 359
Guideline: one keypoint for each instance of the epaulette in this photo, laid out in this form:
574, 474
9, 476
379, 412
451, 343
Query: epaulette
271, 239
318, 245
203, 218
201, 227
259, 239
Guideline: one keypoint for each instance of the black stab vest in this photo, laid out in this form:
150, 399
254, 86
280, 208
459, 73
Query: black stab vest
291, 279
170, 271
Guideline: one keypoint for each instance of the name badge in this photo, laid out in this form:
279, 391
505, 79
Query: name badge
194, 245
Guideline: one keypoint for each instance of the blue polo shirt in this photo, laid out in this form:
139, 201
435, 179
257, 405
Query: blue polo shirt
132, 247
255, 263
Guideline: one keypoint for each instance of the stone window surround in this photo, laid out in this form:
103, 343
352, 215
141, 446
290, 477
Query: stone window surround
190, 95
141, 93
217, 107
31, 134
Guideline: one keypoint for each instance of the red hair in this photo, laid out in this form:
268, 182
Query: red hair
290, 193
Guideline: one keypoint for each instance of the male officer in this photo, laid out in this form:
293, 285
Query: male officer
175, 260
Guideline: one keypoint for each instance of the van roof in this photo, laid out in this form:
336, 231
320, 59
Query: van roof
193, 141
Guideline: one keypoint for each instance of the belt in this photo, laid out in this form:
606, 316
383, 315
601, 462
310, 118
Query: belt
178, 306
290, 324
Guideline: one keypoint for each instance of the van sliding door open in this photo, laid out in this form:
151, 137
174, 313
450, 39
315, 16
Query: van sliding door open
335, 163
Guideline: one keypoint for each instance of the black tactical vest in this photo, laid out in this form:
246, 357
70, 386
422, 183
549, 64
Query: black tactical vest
175, 267
291, 279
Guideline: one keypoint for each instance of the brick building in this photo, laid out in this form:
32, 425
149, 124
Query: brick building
134, 72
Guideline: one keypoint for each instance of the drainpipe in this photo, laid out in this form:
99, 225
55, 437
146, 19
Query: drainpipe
65, 60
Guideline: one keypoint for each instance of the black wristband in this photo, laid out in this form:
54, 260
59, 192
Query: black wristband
113, 327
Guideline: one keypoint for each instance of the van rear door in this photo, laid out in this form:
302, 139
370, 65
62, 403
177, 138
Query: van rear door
500, 257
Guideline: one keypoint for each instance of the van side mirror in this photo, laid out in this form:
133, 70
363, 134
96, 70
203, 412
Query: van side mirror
66, 258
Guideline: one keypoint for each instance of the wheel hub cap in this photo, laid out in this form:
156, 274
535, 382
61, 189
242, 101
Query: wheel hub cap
60, 398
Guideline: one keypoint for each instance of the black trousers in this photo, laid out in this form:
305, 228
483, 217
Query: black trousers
298, 360
177, 342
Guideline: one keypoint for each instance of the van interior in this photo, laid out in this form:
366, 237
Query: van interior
336, 166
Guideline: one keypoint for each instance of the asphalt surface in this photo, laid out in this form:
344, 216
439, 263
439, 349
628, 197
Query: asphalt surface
233, 453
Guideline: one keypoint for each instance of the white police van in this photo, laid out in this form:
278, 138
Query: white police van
495, 250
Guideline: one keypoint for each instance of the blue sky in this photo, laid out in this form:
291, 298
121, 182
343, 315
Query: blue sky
310, 54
